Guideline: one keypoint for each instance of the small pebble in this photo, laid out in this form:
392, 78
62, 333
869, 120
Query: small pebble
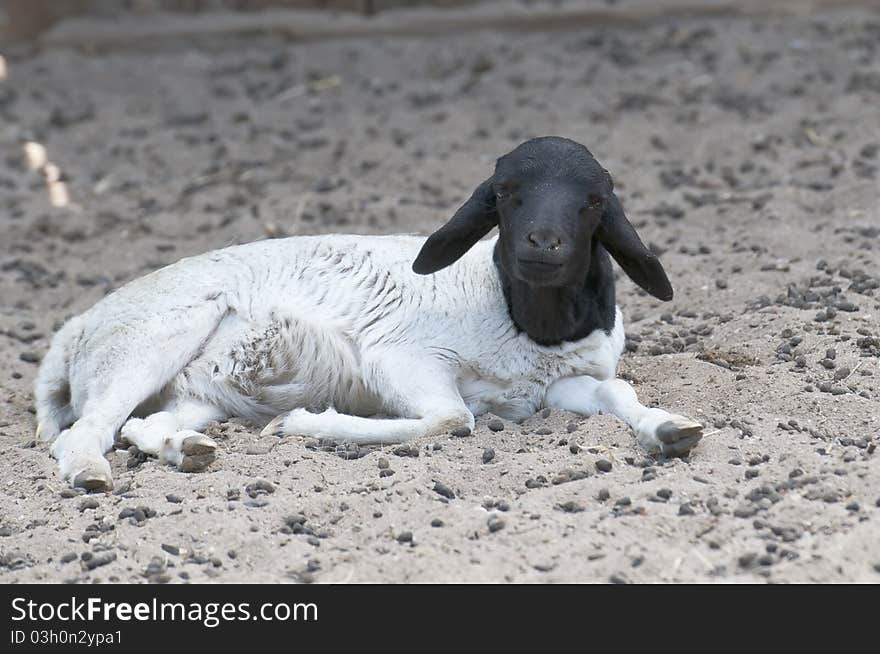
259, 487
442, 489
570, 507
97, 561
746, 560
495, 524
89, 503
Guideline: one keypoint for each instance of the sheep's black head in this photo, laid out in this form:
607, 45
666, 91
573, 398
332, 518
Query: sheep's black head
549, 199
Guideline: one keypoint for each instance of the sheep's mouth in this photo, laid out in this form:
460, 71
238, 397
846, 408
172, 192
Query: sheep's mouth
539, 265
538, 270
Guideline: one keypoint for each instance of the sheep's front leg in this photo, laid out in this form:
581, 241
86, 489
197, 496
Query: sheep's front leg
419, 390
174, 434
658, 431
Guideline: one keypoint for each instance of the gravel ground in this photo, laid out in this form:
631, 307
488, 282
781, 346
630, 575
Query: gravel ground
745, 150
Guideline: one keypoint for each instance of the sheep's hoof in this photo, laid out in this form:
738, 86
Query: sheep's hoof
276, 427
678, 437
94, 481
198, 453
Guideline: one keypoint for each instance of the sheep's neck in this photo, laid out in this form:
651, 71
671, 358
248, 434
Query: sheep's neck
551, 315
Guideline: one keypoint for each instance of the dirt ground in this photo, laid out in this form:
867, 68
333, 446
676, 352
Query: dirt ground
746, 152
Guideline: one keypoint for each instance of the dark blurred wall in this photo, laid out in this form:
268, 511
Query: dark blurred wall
24, 19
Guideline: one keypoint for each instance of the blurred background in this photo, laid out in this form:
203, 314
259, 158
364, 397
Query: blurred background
159, 128
27, 18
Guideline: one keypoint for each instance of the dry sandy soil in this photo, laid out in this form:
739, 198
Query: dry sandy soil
745, 150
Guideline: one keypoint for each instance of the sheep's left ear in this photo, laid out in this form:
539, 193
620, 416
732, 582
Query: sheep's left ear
620, 239
471, 222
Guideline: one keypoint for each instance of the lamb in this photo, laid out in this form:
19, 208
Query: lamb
370, 339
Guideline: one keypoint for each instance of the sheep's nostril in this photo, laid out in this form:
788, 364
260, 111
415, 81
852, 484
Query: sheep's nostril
544, 241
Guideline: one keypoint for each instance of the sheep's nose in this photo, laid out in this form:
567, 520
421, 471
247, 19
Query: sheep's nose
544, 240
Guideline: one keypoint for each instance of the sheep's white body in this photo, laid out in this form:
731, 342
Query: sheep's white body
335, 324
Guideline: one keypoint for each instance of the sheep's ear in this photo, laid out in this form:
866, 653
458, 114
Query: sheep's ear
620, 239
471, 222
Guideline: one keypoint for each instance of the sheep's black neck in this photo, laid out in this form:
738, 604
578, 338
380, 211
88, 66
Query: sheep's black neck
551, 315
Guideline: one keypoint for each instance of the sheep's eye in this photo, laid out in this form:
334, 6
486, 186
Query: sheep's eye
594, 202
502, 193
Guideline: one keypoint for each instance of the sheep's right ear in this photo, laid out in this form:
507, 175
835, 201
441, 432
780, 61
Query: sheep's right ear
471, 222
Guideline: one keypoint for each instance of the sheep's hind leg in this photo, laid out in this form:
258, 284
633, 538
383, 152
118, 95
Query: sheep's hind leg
340, 427
172, 435
658, 431
80, 456
127, 362
428, 403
